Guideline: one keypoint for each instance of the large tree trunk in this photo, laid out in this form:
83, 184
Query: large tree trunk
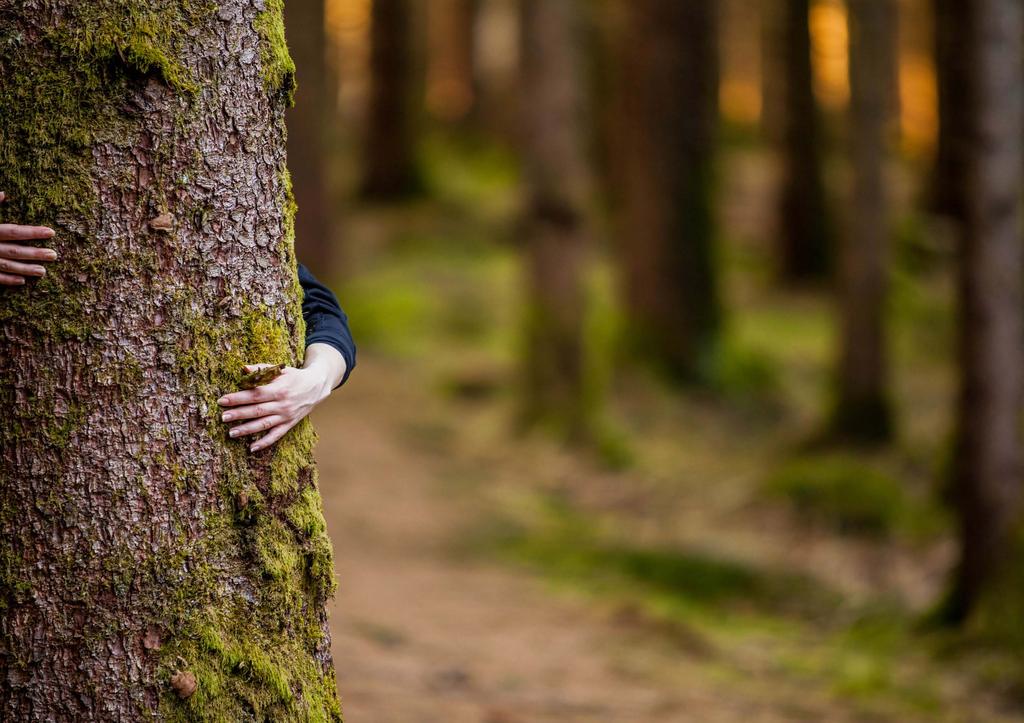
555, 217
307, 125
150, 567
803, 228
666, 129
987, 452
862, 412
390, 151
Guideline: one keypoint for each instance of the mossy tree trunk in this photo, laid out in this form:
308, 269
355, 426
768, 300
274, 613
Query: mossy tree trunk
307, 123
987, 461
666, 128
150, 567
803, 226
390, 170
862, 411
555, 218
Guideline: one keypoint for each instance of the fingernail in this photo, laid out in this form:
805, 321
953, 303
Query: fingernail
233, 433
226, 417
51, 233
255, 448
51, 254
39, 270
222, 401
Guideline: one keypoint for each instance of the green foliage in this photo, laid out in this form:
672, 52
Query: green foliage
475, 176
850, 495
742, 373
677, 582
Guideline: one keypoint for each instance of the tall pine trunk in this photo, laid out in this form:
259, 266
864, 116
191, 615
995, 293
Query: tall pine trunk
668, 85
950, 161
150, 567
773, 75
803, 226
987, 464
554, 223
863, 412
307, 125
389, 159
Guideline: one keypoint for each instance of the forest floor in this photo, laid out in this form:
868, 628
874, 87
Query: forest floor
424, 631
702, 562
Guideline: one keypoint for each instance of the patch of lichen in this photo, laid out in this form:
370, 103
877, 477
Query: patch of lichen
306, 515
63, 93
278, 66
255, 645
212, 352
46, 417
143, 38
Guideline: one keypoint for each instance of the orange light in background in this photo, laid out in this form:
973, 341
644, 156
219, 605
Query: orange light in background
739, 92
348, 34
919, 118
830, 46
450, 93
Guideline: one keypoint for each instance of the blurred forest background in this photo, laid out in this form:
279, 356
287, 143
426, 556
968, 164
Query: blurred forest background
690, 355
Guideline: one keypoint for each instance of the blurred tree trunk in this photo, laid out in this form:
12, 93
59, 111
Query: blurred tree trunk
950, 161
454, 85
773, 100
390, 170
863, 411
803, 224
150, 567
666, 130
307, 132
987, 464
555, 227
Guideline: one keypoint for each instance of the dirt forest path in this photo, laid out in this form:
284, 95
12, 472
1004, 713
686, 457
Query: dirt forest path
422, 635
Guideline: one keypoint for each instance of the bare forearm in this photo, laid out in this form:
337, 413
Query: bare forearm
328, 362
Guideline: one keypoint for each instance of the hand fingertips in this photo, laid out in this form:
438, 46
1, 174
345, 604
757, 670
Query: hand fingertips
261, 444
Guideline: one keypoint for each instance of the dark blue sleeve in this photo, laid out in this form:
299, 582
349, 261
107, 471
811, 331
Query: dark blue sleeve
326, 323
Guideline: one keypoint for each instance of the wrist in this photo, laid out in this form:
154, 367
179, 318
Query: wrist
329, 366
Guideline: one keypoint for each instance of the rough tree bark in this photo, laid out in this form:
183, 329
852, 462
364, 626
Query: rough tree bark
862, 411
803, 228
666, 131
307, 123
151, 568
987, 463
390, 153
554, 222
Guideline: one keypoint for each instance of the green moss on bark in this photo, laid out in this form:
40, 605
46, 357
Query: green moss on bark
240, 601
254, 658
278, 66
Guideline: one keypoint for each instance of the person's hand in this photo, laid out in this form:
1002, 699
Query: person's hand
279, 405
16, 259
